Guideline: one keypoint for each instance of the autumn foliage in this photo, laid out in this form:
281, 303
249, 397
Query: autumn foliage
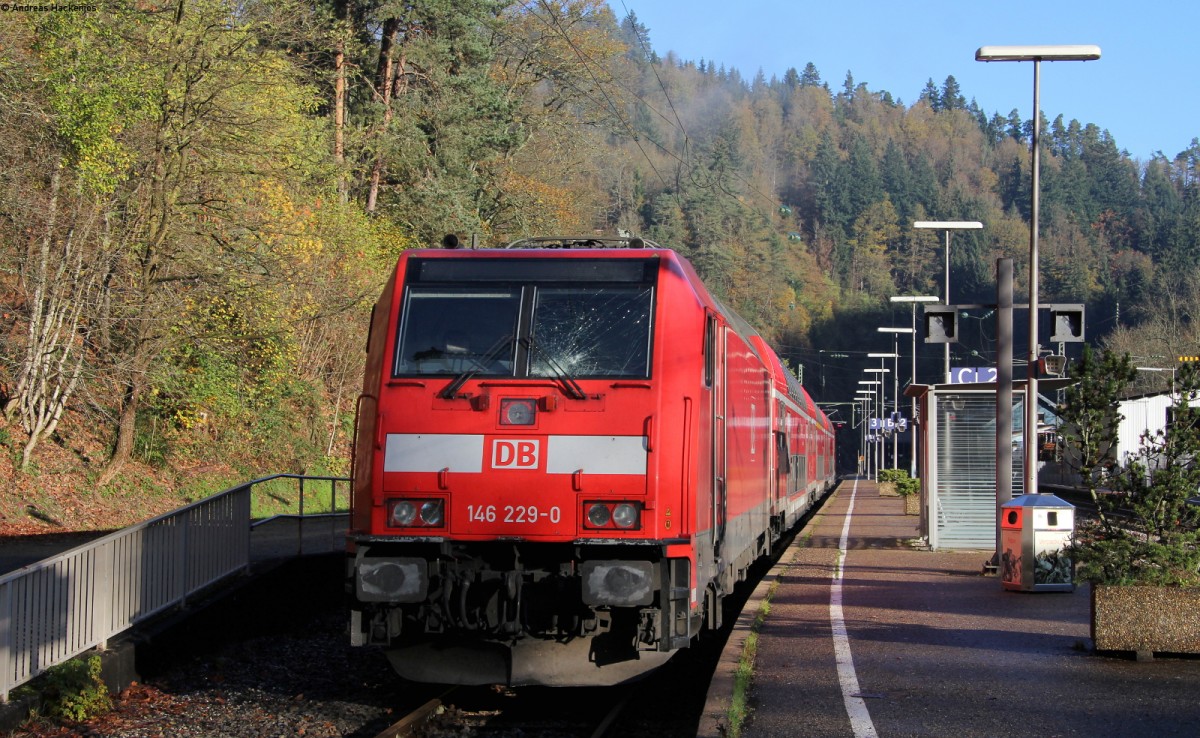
199, 202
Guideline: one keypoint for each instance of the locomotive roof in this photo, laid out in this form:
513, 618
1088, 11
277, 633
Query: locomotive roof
584, 242
635, 243
613, 243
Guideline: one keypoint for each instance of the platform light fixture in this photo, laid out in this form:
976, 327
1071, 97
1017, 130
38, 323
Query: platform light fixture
1037, 55
947, 226
896, 385
865, 396
912, 301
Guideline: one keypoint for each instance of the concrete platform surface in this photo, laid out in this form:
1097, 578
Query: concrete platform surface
912, 642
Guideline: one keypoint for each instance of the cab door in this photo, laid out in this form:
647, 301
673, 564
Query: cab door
715, 360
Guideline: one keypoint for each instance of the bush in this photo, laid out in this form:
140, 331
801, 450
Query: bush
1146, 530
73, 690
905, 485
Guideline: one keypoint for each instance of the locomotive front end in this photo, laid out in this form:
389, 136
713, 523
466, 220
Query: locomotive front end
510, 524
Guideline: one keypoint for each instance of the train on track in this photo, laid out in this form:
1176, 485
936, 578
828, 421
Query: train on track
567, 453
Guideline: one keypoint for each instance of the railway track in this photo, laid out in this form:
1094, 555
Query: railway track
414, 722
666, 704
589, 712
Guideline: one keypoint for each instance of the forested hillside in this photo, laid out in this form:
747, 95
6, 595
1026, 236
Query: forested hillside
200, 200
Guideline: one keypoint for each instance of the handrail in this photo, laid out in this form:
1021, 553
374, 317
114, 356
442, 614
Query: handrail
64, 605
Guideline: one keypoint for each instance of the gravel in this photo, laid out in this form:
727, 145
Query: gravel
213, 677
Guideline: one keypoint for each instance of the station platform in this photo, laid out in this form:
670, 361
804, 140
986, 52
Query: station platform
904, 641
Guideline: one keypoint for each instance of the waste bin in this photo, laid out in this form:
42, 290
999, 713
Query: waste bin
1035, 530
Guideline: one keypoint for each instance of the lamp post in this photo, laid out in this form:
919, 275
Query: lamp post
883, 398
947, 226
1035, 54
912, 300
864, 396
860, 405
881, 405
896, 385
876, 399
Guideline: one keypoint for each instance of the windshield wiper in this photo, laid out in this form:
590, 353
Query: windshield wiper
569, 386
450, 391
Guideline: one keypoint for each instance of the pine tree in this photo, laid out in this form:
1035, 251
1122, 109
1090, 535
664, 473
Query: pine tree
865, 185
791, 78
810, 77
931, 96
1016, 127
896, 180
951, 97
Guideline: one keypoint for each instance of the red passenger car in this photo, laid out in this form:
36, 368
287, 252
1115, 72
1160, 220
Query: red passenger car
567, 453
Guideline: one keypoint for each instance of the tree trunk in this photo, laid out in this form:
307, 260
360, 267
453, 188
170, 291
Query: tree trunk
126, 429
384, 75
62, 283
339, 98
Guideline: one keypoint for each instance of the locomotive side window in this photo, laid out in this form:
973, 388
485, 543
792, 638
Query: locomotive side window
448, 331
591, 332
710, 350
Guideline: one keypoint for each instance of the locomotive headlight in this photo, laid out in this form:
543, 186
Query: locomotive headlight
518, 411
416, 513
403, 514
431, 512
598, 515
625, 515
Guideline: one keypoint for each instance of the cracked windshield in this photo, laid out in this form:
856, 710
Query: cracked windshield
591, 332
584, 331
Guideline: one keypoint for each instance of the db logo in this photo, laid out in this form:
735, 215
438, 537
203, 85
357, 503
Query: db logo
515, 454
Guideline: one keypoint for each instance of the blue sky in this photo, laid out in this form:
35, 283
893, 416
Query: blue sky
1144, 90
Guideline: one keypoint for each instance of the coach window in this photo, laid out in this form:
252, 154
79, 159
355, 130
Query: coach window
781, 448
591, 331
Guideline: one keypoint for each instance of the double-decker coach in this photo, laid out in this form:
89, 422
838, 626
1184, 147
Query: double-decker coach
567, 453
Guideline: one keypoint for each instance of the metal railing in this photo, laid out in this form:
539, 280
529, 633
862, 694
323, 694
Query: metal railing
65, 605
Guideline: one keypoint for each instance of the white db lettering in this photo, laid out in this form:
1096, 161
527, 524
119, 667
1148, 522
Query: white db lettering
515, 454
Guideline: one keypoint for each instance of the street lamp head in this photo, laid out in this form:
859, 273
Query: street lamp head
915, 298
895, 330
891, 355
1053, 52
949, 225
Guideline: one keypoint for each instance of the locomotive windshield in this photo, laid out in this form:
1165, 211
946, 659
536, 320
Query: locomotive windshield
527, 318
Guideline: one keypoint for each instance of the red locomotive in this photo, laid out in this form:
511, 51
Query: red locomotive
567, 453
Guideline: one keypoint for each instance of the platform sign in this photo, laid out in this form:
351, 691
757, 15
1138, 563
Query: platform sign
972, 375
